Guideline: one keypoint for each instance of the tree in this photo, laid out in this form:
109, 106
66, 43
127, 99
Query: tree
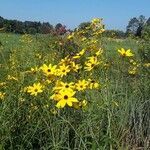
148, 22
142, 21
135, 25
132, 26
1, 22
83, 25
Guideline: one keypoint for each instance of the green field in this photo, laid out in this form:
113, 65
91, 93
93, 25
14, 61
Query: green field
117, 113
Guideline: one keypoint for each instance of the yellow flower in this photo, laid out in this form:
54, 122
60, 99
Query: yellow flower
79, 105
81, 85
95, 20
48, 70
2, 95
147, 65
83, 39
125, 53
63, 70
91, 63
9, 77
66, 60
65, 97
89, 66
69, 37
78, 55
75, 67
35, 89
55, 96
2, 84
34, 69
132, 71
84, 103
99, 52
63, 86
92, 84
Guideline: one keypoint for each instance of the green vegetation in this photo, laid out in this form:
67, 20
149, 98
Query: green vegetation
117, 115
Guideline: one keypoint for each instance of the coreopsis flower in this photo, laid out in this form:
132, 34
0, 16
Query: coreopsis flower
63, 70
48, 70
96, 20
92, 84
146, 65
63, 86
65, 97
75, 67
34, 69
2, 84
78, 55
80, 104
81, 85
91, 63
99, 52
55, 96
125, 53
132, 71
69, 37
9, 77
35, 89
2, 95
65, 61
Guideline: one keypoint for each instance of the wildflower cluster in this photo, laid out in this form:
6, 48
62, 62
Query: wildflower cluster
63, 81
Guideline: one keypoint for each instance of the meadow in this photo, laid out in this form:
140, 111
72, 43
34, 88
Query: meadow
79, 91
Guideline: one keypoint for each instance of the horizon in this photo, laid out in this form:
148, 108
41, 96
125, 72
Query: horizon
72, 13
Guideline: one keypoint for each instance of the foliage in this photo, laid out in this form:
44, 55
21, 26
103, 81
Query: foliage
113, 115
29, 27
83, 25
135, 26
114, 34
144, 49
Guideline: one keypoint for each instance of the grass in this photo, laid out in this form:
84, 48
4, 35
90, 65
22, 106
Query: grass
117, 115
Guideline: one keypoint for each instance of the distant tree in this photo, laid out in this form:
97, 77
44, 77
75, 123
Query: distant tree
132, 26
83, 25
135, 26
142, 21
46, 28
148, 21
58, 26
31, 27
1, 22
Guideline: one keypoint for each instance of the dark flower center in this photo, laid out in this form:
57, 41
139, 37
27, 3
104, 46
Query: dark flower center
49, 70
67, 86
65, 97
36, 90
92, 65
92, 81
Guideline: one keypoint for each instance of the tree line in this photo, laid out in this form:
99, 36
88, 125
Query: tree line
135, 27
30, 27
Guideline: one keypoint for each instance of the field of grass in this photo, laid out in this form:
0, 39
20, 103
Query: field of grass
115, 115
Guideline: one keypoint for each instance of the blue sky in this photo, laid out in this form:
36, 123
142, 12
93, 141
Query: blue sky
116, 13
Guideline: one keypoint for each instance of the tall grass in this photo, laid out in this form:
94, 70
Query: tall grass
117, 116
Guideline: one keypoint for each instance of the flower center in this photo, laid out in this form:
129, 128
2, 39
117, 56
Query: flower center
35, 90
65, 97
92, 81
92, 65
67, 86
49, 70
